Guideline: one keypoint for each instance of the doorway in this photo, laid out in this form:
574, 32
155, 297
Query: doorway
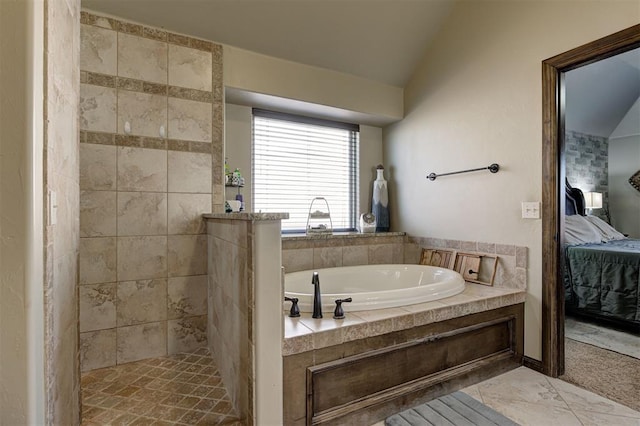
553, 185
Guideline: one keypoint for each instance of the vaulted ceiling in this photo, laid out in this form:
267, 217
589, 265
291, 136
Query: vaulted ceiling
599, 95
381, 40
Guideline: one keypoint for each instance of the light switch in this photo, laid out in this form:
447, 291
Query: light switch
53, 208
531, 210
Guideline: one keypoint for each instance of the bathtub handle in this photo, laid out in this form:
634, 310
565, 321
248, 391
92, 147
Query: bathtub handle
339, 312
295, 311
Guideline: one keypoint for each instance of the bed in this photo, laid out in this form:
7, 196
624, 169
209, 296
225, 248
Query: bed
602, 268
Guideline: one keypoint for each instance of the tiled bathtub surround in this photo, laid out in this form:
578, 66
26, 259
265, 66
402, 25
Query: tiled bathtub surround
306, 334
300, 253
512, 260
144, 187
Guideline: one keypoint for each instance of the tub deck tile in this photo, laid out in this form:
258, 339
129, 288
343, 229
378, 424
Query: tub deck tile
306, 333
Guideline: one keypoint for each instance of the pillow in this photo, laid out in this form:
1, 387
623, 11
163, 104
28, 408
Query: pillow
607, 232
578, 230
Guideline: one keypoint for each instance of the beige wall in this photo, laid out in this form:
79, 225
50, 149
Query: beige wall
143, 248
39, 356
476, 99
22, 391
253, 72
238, 152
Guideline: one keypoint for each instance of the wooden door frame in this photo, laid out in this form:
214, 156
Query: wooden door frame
553, 175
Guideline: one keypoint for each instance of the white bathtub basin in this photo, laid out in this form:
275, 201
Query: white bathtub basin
373, 286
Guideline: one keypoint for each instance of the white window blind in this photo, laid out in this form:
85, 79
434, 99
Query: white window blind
296, 159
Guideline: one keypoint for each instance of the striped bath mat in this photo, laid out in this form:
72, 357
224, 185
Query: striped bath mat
456, 409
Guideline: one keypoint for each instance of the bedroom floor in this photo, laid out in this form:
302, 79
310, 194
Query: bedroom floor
603, 337
532, 399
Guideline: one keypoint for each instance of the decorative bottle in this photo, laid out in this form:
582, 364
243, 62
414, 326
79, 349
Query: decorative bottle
380, 201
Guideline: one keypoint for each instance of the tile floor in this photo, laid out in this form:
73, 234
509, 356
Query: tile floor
603, 337
180, 389
532, 399
187, 389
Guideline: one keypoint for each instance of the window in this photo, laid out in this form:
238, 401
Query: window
296, 159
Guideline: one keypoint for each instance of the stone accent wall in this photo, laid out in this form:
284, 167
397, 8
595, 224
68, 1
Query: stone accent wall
61, 89
151, 162
587, 165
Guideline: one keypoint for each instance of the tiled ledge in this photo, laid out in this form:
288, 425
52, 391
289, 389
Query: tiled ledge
247, 216
305, 333
340, 235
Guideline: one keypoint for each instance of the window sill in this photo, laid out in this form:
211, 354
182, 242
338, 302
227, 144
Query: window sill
339, 235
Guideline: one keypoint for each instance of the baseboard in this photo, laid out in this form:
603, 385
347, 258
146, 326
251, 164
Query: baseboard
533, 364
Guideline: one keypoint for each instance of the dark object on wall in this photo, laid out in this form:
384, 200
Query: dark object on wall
635, 180
493, 168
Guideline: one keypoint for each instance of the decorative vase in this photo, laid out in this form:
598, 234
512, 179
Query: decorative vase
380, 201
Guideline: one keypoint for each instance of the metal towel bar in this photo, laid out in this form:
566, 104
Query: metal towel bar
493, 168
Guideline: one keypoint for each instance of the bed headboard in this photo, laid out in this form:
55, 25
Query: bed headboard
574, 201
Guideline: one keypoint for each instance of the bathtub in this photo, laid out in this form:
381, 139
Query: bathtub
373, 286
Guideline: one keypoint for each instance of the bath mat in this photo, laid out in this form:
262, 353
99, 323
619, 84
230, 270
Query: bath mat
456, 409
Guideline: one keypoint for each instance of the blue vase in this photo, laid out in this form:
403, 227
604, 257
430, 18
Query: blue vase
380, 201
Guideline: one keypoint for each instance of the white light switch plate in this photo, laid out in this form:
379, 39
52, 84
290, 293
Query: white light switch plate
531, 210
53, 208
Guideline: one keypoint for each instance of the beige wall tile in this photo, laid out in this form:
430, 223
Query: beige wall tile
97, 307
141, 301
142, 58
186, 296
189, 172
189, 120
141, 341
187, 255
97, 167
521, 257
144, 112
412, 253
189, 68
97, 349
97, 213
380, 254
97, 108
297, 259
142, 213
97, 260
186, 334
141, 169
142, 258
98, 50
327, 257
185, 213
355, 255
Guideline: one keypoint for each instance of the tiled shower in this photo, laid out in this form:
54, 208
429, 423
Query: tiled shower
150, 164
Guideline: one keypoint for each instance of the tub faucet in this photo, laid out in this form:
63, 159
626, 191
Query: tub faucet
317, 299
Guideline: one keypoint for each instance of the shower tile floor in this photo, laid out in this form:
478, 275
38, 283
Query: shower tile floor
182, 389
